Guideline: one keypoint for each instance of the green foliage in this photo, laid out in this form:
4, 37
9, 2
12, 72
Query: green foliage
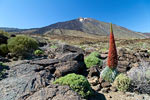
93, 59
22, 44
95, 54
77, 82
122, 82
2, 70
38, 52
53, 46
4, 33
3, 49
108, 74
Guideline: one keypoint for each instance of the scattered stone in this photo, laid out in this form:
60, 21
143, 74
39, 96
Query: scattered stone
109, 96
94, 71
105, 84
97, 87
93, 80
113, 89
105, 90
103, 56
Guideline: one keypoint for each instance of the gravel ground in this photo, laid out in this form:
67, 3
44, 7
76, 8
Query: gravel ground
125, 96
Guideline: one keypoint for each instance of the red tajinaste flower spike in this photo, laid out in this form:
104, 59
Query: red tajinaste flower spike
112, 60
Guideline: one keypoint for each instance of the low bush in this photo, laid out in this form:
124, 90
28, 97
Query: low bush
3, 69
92, 60
140, 78
22, 44
122, 82
4, 33
108, 74
3, 49
77, 82
38, 52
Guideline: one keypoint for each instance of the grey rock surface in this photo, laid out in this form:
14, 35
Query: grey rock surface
23, 79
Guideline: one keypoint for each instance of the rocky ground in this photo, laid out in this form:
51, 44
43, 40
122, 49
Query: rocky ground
31, 79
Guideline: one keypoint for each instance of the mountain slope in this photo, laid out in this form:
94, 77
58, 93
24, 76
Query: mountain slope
90, 26
84, 26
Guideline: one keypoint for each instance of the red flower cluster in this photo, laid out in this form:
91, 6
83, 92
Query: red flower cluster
112, 54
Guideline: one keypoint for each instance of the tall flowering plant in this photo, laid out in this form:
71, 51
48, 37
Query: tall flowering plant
112, 60
109, 73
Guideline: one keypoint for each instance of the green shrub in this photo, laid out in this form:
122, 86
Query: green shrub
22, 44
3, 49
4, 33
122, 82
2, 70
108, 74
95, 54
38, 52
77, 82
92, 60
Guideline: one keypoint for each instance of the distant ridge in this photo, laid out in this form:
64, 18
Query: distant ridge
84, 25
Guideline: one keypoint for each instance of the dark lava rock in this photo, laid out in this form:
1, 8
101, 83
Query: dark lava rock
69, 67
23, 79
94, 71
70, 63
68, 48
2, 59
53, 92
45, 62
72, 56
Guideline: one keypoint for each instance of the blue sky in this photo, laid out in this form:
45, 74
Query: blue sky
132, 14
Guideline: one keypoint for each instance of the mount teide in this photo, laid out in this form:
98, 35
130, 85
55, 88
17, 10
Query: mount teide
85, 26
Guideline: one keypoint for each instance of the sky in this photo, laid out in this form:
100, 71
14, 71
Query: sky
132, 14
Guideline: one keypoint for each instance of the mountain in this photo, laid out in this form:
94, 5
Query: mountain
84, 26
90, 26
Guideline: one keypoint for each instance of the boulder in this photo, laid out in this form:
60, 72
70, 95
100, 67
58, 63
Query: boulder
94, 71
45, 62
68, 48
23, 79
69, 67
93, 81
72, 56
53, 92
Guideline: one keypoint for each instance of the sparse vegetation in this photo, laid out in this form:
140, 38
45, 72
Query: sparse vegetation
93, 59
2, 70
140, 78
4, 33
122, 82
77, 82
3, 49
38, 52
22, 44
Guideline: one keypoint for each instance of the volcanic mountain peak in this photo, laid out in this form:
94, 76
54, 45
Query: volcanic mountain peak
84, 25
